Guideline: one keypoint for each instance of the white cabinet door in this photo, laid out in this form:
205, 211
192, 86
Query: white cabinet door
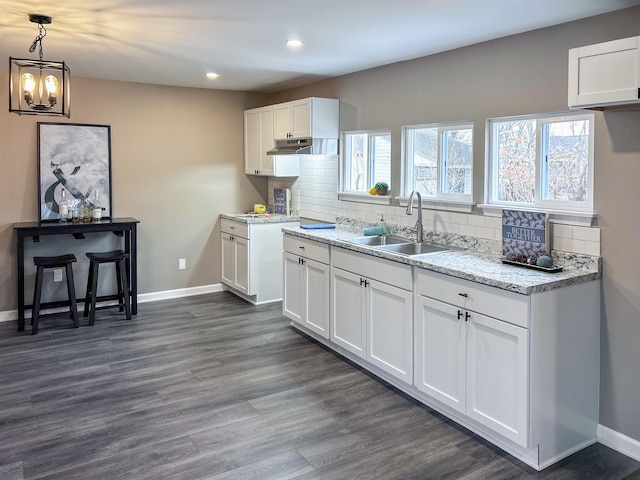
258, 140
390, 329
441, 342
348, 311
301, 118
292, 119
228, 260
316, 286
282, 121
605, 74
252, 141
242, 261
294, 289
266, 140
498, 376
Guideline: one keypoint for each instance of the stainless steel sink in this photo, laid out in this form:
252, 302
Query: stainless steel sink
378, 240
413, 248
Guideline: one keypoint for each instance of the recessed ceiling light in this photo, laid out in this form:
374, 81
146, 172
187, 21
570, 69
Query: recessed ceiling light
212, 75
294, 43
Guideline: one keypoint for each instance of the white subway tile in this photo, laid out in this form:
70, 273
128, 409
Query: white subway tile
469, 230
592, 248
476, 220
493, 222
578, 246
485, 232
586, 233
563, 231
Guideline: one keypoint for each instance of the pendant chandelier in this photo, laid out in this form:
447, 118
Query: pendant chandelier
39, 87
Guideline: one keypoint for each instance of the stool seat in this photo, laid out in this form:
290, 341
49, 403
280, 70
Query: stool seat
53, 262
105, 257
117, 257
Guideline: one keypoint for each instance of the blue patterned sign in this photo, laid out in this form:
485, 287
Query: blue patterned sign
524, 234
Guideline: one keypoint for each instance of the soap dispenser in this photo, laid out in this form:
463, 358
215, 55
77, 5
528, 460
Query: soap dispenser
382, 224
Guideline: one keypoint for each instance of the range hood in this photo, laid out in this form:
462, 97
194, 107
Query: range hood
305, 146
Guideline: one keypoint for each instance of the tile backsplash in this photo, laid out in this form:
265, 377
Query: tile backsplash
314, 194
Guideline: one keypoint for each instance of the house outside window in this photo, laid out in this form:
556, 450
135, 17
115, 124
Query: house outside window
545, 162
438, 161
366, 159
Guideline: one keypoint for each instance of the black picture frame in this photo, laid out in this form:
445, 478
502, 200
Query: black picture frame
77, 157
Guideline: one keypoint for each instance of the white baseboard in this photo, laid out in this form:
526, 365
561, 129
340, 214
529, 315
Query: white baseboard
619, 442
179, 293
10, 315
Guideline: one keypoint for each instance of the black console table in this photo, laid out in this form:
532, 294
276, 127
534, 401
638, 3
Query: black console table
121, 227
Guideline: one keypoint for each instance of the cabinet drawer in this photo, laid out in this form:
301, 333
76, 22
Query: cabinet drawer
307, 248
374, 268
239, 229
494, 302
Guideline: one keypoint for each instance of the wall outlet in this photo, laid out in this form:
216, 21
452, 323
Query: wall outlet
182, 264
380, 216
57, 274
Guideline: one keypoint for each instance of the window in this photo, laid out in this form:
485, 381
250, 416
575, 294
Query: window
542, 161
366, 159
439, 161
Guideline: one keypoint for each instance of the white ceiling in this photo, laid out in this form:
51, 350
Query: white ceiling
177, 42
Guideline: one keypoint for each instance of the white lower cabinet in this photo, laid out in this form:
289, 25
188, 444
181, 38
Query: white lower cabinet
471, 362
235, 262
251, 259
498, 377
371, 318
519, 370
306, 284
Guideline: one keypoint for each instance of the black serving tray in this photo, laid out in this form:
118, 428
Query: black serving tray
554, 269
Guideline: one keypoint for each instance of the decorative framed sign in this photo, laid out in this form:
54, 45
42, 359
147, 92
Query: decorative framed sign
78, 158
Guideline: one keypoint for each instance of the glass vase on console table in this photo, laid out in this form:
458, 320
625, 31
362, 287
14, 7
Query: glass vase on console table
84, 208
63, 207
96, 214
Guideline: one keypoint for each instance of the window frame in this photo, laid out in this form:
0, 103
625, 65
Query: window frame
408, 184
539, 203
345, 167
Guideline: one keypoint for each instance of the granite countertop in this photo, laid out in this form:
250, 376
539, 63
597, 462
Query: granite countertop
482, 268
259, 218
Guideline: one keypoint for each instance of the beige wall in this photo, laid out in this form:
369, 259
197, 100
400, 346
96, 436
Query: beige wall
518, 75
177, 162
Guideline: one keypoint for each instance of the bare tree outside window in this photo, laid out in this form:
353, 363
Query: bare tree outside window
544, 161
516, 161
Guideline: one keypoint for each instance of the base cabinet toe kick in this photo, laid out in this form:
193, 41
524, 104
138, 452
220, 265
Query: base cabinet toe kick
521, 371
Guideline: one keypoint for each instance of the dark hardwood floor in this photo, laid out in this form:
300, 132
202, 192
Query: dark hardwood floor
210, 387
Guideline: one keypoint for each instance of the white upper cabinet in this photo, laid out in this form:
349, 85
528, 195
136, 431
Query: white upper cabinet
258, 140
310, 117
605, 75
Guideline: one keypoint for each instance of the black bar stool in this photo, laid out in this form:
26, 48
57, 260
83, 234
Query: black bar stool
53, 262
118, 258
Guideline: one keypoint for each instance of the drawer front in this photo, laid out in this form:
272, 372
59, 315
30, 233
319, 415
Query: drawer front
307, 248
239, 229
373, 268
494, 302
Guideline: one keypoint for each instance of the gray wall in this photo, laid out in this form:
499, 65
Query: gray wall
518, 75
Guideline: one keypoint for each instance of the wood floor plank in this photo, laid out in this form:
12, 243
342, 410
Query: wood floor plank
210, 388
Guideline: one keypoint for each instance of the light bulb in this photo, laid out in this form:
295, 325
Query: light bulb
28, 86
51, 83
